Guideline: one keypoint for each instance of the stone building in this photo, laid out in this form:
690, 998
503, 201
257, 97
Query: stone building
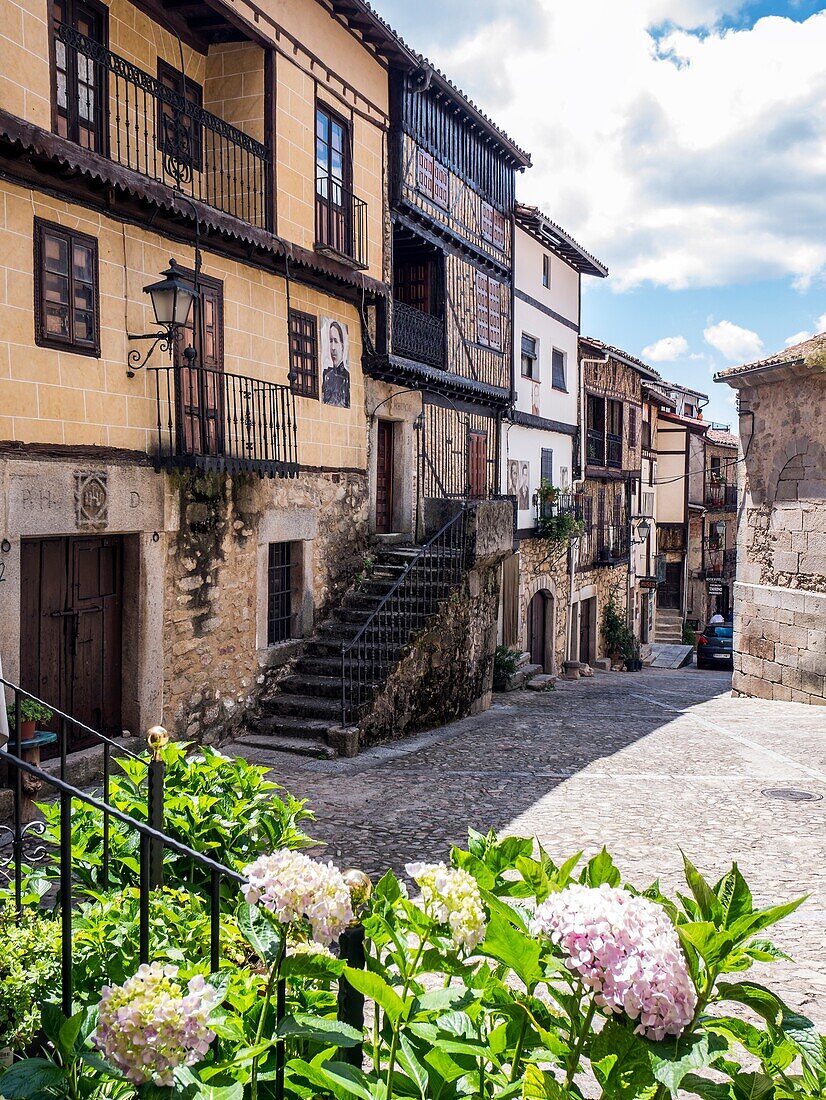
780, 589
539, 449
719, 535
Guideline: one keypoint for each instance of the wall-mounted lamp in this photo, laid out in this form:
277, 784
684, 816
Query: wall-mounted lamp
172, 297
643, 530
720, 528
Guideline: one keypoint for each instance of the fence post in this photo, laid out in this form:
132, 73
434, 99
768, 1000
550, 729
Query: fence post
351, 950
156, 738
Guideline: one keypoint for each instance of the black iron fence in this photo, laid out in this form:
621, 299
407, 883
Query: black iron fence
560, 504
214, 420
427, 579
721, 496
116, 109
340, 220
418, 335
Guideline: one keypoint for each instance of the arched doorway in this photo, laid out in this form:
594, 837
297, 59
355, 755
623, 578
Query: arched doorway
541, 630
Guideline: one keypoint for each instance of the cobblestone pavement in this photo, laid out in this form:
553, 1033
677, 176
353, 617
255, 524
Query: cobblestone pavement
645, 763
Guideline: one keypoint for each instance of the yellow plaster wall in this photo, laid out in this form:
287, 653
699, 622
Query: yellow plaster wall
24, 73
49, 396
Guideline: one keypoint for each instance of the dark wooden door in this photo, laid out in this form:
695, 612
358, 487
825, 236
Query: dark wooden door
384, 476
332, 185
79, 83
671, 590
201, 387
537, 637
477, 465
70, 641
586, 629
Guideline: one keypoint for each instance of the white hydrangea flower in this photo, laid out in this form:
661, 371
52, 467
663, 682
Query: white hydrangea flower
291, 886
450, 895
149, 1026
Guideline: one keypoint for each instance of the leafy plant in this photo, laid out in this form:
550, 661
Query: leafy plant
29, 973
30, 711
689, 635
505, 664
221, 806
618, 638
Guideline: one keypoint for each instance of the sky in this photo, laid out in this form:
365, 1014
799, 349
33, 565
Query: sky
683, 142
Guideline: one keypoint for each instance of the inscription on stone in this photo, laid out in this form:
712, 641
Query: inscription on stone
42, 499
91, 500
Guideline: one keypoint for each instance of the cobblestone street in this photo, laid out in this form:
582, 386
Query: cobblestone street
645, 763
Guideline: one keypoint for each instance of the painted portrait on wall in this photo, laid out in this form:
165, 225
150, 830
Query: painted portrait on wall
335, 354
513, 477
523, 496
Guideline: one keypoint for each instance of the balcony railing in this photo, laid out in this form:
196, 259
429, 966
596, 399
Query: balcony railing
595, 455
418, 335
564, 504
212, 420
340, 221
721, 496
615, 451
129, 116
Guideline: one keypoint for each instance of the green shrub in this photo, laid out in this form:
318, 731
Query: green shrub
689, 635
29, 973
30, 711
618, 638
505, 663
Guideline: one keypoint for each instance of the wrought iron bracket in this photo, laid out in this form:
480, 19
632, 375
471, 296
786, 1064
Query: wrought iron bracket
165, 340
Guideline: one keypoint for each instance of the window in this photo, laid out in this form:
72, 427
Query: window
546, 270
546, 466
716, 468
303, 354
499, 230
488, 312
334, 220
648, 505
689, 410
424, 172
564, 483
615, 434
178, 135
646, 435
596, 430
201, 387
486, 222
632, 426
67, 313
530, 357
441, 185
558, 370
79, 106
280, 589
477, 465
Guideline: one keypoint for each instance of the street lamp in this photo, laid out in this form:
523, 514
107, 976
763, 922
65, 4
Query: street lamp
643, 530
720, 528
172, 297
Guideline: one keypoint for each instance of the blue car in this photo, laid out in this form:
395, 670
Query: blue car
714, 646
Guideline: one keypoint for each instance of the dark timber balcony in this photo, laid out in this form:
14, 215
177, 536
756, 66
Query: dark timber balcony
418, 335
340, 221
110, 106
212, 420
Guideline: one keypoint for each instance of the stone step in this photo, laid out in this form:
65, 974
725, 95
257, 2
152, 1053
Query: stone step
541, 682
285, 725
524, 659
520, 678
327, 665
328, 647
335, 629
303, 706
308, 747
300, 683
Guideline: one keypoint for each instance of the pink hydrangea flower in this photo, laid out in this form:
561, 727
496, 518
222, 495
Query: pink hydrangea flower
626, 950
291, 886
149, 1026
451, 896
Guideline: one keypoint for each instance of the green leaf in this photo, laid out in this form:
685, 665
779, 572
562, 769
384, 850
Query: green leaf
709, 904
672, 1059
753, 1086
621, 1063
517, 950
350, 1078
601, 869
260, 931
762, 950
763, 918
712, 946
735, 896
707, 1090
537, 1085
318, 1029
798, 1029
30, 1077
439, 1000
412, 1066
775, 1053
378, 990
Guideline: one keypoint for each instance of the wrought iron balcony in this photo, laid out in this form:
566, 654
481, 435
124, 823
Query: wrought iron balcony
115, 109
610, 543
340, 221
212, 420
564, 504
418, 335
614, 451
595, 455
720, 496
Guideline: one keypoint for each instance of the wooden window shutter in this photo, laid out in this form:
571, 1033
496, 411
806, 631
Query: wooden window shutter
510, 600
547, 465
487, 221
424, 172
494, 314
482, 327
499, 230
632, 426
441, 185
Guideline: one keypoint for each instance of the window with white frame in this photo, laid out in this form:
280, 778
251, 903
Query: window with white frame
558, 370
530, 357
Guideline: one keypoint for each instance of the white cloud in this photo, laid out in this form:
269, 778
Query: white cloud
671, 158
666, 349
732, 341
820, 323
797, 338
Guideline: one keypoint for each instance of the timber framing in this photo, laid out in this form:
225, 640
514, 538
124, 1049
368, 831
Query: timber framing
34, 157
529, 420
408, 372
443, 237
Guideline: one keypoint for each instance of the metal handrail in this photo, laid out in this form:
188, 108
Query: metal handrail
400, 632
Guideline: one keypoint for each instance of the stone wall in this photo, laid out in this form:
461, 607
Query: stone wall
780, 643
215, 648
543, 567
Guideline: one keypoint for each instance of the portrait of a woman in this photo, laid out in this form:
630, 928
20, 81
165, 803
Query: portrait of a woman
335, 379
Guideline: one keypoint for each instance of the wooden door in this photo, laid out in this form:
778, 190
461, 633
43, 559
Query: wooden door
586, 628
671, 591
201, 387
79, 83
332, 186
384, 476
70, 642
477, 465
537, 634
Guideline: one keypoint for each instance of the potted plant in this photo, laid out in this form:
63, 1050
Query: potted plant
31, 712
633, 663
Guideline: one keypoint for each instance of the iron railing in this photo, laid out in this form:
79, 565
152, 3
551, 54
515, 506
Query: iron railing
595, 448
721, 496
615, 451
214, 420
427, 579
418, 335
136, 121
603, 544
340, 220
563, 504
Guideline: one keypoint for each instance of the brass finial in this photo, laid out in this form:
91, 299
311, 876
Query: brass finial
156, 738
360, 887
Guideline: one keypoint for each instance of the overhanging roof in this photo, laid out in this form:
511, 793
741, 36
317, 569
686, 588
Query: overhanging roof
555, 238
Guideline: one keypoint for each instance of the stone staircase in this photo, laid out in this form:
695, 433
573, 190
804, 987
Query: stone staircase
669, 627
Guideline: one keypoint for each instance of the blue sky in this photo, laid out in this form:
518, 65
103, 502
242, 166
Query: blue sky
681, 141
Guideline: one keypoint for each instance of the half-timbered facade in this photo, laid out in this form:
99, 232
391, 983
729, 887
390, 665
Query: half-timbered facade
448, 332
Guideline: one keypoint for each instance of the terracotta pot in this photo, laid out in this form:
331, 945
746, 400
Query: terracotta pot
28, 729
